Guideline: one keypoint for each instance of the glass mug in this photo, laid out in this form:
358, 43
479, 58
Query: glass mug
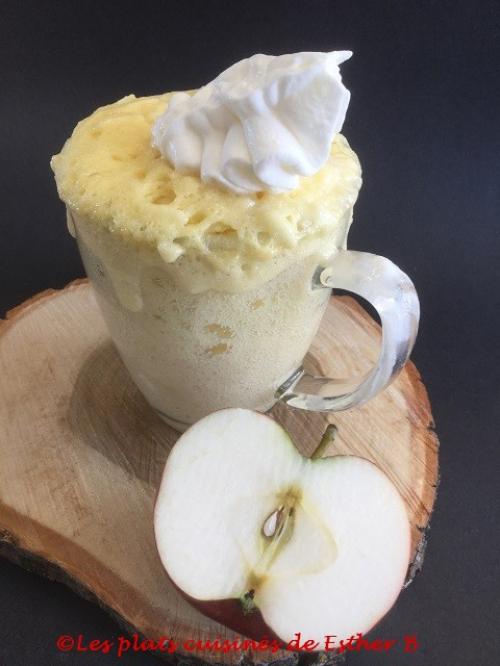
192, 354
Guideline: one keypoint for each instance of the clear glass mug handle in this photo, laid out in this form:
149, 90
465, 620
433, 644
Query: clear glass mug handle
392, 294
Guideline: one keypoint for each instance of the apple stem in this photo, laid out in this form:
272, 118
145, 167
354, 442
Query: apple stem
328, 438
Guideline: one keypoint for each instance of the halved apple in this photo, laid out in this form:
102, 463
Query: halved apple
318, 546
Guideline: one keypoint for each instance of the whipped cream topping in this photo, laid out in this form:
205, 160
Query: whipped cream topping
260, 125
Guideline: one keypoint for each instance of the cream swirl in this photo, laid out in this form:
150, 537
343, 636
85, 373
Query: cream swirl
260, 125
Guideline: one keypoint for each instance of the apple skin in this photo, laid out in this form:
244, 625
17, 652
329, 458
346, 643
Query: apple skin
229, 613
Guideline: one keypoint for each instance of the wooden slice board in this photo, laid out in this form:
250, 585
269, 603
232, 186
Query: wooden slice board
82, 453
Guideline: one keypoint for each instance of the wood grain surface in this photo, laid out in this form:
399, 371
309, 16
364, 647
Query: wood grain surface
81, 454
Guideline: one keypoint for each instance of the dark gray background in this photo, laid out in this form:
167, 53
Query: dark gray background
424, 121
